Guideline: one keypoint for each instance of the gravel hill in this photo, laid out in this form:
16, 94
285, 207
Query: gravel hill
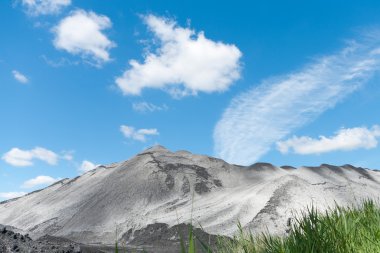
148, 196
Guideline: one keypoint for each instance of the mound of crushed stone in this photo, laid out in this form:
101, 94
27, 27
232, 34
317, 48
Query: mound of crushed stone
139, 202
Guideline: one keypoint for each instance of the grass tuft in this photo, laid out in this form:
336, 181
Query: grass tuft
338, 230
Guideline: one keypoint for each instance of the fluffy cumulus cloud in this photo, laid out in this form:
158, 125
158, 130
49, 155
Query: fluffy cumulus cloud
257, 119
21, 158
11, 195
20, 77
137, 134
185, 63
44, 7
148, 107
81, 33
87, 166
39, 181
344, 140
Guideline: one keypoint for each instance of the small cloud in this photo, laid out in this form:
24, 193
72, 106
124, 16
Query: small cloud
21, 158
38, 181
60, 62
87, 166
344, 140
44, 7
20, 77
143, 107
80, 33
185, 63
11, 195
67, 155
137, 134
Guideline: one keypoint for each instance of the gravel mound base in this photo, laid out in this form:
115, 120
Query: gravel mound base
16, 242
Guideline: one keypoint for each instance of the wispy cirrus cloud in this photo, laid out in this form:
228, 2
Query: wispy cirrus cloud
59, 62
344, 140
185, 63
148, 107
256, 119
137, 134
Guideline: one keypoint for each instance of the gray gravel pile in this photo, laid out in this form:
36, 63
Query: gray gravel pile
141, 200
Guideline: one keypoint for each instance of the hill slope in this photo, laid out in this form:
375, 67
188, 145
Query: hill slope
162, 187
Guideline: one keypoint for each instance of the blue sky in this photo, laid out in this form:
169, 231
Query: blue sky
88, 82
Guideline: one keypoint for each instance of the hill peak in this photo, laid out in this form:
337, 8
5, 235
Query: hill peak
155, 148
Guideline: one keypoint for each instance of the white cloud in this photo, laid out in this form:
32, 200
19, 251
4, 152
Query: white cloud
67, 155
44, 7
87, 166
39, 180
148, 107
59, 62
20, 77
80, 33
256, 119
185, 63
21, 158
11, 195
344, 140
137, 134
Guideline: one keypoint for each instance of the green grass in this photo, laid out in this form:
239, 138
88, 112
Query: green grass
354, 229
338, 230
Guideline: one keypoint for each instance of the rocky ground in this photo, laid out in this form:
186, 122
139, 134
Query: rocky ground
11, 241
161, 236
157, 238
